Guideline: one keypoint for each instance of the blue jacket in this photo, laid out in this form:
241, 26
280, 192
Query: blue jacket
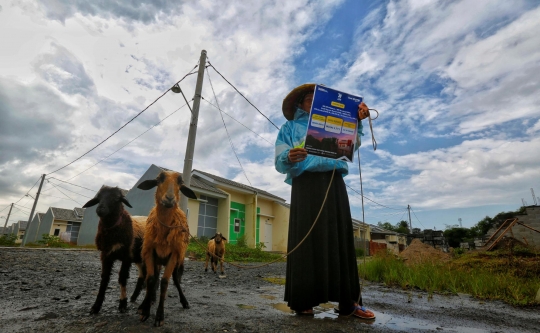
292, 134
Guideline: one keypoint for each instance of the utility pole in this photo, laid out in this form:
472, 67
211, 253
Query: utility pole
460, 222
25, 238
190, 148
7, 219
410, 222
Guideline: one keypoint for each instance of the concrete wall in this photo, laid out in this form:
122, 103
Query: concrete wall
280, 228
532, 219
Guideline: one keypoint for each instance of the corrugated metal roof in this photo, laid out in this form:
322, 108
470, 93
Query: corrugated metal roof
378, 230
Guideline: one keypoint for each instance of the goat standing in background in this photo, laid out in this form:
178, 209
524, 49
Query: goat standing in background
166, 240
216, 250
119, 237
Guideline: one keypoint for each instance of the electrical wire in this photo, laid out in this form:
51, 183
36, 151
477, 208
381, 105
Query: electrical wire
67, 196
209, 64
127, 143
204, 99
352, 189
417, 219
69, 190
63, 181
224, 125
107, 138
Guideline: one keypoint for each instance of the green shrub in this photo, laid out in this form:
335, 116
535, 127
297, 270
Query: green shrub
52, 241
8, 240
241, 241
359, 252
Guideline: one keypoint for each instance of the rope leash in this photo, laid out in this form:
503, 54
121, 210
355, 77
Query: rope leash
285, 255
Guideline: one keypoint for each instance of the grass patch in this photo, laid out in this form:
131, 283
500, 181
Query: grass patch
233, 252
498, 275
275, 280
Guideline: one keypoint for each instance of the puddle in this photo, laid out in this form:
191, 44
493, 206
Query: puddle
268, 297
282, 307
244, 306
411, 324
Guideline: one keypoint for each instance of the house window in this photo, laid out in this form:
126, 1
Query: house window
56, 232
237, 225
207, 221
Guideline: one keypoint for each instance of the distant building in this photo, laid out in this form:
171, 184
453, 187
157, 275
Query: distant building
31, 233
56, 221
386, 239
19, 229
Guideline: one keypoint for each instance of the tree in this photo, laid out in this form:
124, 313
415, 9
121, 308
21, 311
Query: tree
455, 236
401, 227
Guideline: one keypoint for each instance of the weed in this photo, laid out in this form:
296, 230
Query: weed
8, 240
483, 275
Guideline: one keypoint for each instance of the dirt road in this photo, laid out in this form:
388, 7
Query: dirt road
53, 290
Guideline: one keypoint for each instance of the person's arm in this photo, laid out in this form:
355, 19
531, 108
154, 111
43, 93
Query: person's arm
285, 155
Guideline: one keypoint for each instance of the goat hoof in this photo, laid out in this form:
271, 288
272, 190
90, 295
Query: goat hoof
95, 309
185, 306
143, 318
159, 323
123, 305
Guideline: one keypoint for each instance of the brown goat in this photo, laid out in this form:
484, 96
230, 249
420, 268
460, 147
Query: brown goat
119, 237
216, 250
165, 240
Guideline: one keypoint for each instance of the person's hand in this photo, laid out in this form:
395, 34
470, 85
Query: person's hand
363, 111
297, 155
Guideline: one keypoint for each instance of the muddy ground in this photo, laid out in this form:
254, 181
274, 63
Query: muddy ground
53, 290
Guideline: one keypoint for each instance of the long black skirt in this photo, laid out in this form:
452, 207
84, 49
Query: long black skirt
324, 267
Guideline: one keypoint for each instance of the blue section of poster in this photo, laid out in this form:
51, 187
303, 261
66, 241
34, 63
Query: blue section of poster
333, 124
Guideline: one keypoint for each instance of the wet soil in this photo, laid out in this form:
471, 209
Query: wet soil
53, 290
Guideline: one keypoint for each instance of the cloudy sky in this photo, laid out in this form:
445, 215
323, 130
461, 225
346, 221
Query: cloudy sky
457, 85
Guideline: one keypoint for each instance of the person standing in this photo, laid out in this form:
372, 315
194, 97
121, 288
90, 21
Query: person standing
324, 267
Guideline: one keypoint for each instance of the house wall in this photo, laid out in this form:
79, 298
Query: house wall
193, 218
251, 219
45, 225
280, 228
523, 234
58, 224
32, 229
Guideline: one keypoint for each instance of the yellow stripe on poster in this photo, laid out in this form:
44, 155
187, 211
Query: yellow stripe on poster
338, 105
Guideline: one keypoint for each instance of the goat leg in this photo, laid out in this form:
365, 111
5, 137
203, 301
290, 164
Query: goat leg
177, 278
144, 308
206, 263
106, 268
123, 276
160, 315
221, 263
140, 282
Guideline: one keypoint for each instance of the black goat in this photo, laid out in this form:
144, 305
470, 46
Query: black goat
119, 237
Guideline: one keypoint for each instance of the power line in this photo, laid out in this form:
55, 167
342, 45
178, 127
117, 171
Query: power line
107, 138
242, 95
63, 181
237, 121
417, 219
127, 143
67, 196
372, 200
227, 131
69, 190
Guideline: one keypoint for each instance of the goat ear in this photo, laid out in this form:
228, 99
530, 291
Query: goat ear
91, 202
213, 237
148, 184
223, 238
124, 200
188, 192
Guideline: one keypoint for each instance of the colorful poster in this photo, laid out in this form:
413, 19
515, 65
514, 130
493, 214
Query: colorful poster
333, 124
